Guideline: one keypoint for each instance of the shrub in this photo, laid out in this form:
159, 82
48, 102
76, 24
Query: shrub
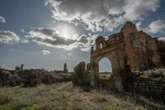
81, 77
8, 78
34, 77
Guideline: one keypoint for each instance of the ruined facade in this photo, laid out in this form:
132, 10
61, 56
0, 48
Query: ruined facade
129, 47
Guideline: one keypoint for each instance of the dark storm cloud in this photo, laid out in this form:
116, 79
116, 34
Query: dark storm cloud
91, 16
97, 14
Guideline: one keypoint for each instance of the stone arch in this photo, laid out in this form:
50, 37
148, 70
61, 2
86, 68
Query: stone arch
98, 58
105, 65
115, 56
124, 50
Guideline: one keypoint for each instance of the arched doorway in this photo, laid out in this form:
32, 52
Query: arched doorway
105, 67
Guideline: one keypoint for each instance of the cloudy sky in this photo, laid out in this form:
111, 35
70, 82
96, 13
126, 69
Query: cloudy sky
48, 33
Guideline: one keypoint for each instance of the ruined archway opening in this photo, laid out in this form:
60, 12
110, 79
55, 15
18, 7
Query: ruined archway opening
100, 46
105, 66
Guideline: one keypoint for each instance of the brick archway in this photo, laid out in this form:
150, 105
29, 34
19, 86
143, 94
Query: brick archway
97, 60
105, 65
128, 47
114, 54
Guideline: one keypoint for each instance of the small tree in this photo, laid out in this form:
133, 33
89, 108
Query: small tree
83, 77
22, 67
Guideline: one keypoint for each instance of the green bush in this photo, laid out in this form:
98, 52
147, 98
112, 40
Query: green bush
83, 78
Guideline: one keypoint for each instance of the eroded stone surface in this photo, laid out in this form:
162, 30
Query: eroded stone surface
129, 47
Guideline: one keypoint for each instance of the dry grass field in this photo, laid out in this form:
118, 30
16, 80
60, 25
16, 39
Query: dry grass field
61, 96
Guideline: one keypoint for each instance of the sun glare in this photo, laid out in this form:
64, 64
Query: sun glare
66, 31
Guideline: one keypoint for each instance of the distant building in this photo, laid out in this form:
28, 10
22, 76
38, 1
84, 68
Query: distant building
65, 68
19, 68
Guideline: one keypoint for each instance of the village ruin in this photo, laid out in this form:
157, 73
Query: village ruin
129, 47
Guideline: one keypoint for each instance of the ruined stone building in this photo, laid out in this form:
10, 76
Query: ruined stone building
130, 47
65, 68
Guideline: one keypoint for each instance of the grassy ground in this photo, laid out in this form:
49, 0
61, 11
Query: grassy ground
61, 96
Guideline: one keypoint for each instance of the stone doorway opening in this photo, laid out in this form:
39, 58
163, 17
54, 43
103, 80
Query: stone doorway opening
105, 67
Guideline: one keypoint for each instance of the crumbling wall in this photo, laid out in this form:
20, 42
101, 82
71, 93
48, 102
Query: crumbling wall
150, 88
128, 48
140, 50
161, 51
